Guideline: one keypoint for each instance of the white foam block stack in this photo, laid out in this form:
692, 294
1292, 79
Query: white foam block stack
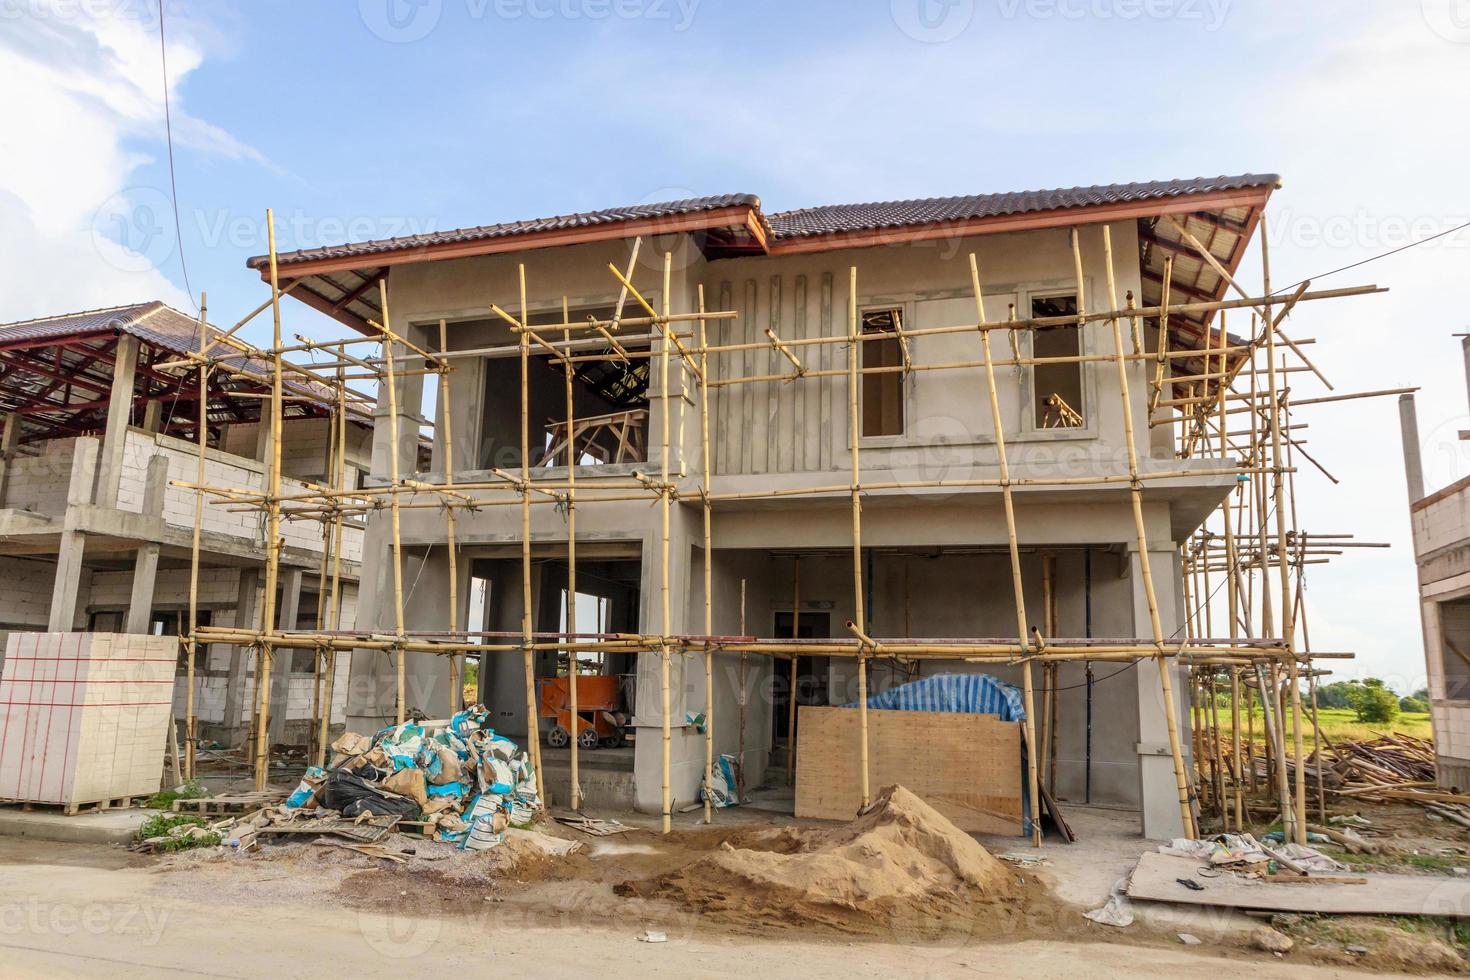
84, 716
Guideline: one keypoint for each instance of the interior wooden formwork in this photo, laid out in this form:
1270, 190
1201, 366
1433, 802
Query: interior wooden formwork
1224, 396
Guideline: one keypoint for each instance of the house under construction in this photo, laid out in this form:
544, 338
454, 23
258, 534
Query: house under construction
751, 461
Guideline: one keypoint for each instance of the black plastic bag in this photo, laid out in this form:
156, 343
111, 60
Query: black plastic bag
352, 795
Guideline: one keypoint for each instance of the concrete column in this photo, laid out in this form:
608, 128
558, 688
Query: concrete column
145, 564
290, 609
1158, 791
7, 451
410, 392
119, 408
153, 416
247, 608
73, 543
1409, 430
263, 433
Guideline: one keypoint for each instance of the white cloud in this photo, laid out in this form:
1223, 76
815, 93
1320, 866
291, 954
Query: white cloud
84, 90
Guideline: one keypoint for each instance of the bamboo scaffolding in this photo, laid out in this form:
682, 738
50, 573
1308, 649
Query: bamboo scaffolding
1254, 513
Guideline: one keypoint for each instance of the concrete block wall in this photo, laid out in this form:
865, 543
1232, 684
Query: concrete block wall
39, 483
26, 599
305, 447
220, 470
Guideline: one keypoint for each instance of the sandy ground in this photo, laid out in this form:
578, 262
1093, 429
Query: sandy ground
99, 917
76, 910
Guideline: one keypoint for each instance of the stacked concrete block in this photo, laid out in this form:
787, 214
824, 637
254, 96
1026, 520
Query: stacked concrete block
84, 716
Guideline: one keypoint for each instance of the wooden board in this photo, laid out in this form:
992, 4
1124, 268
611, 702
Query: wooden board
966, 766
1156, 877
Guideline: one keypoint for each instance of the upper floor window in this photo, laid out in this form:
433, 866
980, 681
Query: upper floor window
882, 392
1057, 386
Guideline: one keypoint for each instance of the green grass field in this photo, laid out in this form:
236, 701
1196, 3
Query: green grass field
1338, 725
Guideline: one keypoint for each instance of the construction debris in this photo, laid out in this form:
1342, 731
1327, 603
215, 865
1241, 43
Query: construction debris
457, 781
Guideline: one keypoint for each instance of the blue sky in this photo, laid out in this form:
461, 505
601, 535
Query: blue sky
368, 118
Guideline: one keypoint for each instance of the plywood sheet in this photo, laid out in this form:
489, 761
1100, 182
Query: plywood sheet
966, 766
1156, 877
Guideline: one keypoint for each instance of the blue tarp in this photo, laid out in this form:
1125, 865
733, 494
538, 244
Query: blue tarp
978, 694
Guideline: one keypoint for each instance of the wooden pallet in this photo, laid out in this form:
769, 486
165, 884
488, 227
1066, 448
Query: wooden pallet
223, 806
75, 808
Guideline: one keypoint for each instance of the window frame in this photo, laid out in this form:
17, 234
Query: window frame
905, 388
1030, 421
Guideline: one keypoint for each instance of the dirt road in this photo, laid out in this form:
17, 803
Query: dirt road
90, 919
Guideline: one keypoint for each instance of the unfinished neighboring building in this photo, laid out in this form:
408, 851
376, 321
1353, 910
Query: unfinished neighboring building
1440, 521
94, 536
935, 556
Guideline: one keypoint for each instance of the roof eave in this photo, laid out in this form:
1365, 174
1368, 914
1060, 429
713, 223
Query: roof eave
742, 216
1252, 197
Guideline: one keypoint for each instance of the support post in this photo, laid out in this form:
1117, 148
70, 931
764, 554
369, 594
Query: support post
1409, 430
73, 543
119, 417
145, 559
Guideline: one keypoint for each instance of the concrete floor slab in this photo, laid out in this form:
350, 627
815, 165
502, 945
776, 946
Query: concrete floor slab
104, 827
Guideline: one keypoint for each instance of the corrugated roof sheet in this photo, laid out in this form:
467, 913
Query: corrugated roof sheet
839, 218
584, 219
815, 221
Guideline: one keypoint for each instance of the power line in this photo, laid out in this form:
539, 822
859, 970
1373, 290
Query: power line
173, 183
1374, 258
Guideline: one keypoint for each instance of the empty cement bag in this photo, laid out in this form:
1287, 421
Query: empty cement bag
352, 796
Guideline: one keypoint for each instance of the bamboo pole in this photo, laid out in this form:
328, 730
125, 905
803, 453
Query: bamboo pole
854, 424
1033, 789
400, 706
1288, 624
663, 501
528, 657
193, 644
456, 684
573, 667
334, 605
704, 506
1136, 496
273, 524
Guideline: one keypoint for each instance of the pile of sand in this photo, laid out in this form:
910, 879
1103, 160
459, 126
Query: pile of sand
900, 861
